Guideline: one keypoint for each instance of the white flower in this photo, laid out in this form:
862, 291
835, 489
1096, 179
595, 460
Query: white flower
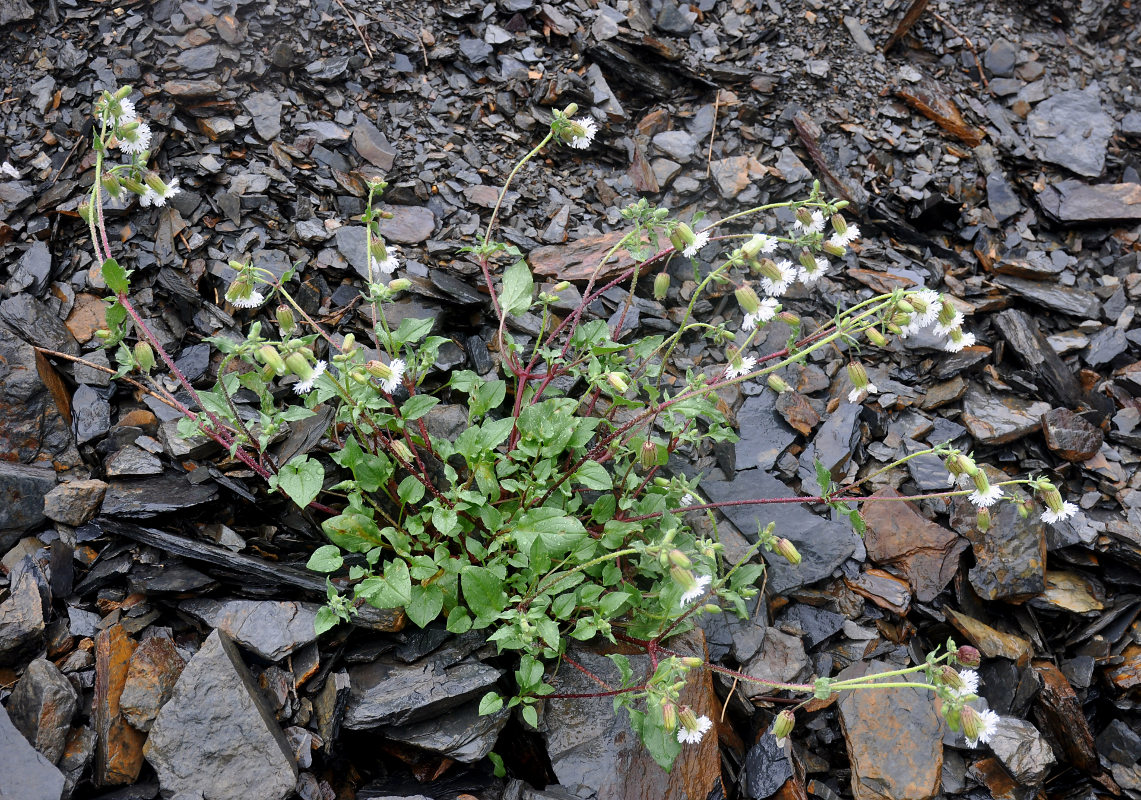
698, 243
787, 276
957, 344
687, 500
389, 265
126, 111
970, 680
137, 140
989, 724
254, 300
768, 243
932, 301
153, 198
743, 367
9, 170
1068, 510
846, 238
986, 499
305, 386
945, 330
856, 395
589, 129
809, 276
393, 381
766, 312
688, 735
816, 226
701, 581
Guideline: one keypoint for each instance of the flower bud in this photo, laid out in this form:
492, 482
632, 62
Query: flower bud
132, 185
972, 722
692, 662
753, 247
112, 185
155, 182
711, 608
1050, 496
571, 109
875, 337
285, 319
378, 369
982, 483
747, 299
839, 224
680, 559
122, 93
349, 345
807, 260
983, 519
783, 725
669, 716
144, 356
788, 318
377, 249
767, 268
858, 375
85, 212
399, 285
1023, 509
648, 456
787, 549
661, 285
778, 384
401, 451
561, 286
103, 334
947, 313
682, 236
968, 656
299, 365
949, 676
804, 216
833, 249
960, 464
618, 381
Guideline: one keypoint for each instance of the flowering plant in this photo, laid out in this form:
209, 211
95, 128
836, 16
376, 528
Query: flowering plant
552, 516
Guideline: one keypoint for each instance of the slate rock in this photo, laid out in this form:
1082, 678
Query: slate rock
994, 419
92, 414
763, 434
1001, 198
1000, 58
266, 110
409, 224
218, 723
1022, 750
151, 677
678, 145
781, 659
461, 734
351, 243
33, 270
1119, 743
894, 739
24, 773
22, 621
1010, 558
15, 11
272, 629
766, 768
77, 755
22, 492
594, 754
1075, 302
132, 462
118, 747
823, 544
150, 497
75, 502
897, 534
813, 625
1105, 345
387, 692
1071, 129
372, 145
1070, 436
42, 706
1077, 201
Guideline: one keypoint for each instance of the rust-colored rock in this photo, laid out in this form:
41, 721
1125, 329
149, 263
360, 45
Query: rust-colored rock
898, 535
577, 260
154, 670
1070, 436
990, 642
1128, 674
883, 589
894, 739
990, 772
797, 412
1059, 714
119, 747
86, 317
929, 99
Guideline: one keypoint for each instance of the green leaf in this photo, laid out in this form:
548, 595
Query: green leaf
517, 288
557, 532
417, 406
353, 532
301, 479
483, 593
390, 590
531, 716
604, 508
410, 490
486, 397
498, 768
490, 703
115, 276
459, 621
426, 604
327, 558
593, 475
412, 330
326, 619
823, 477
